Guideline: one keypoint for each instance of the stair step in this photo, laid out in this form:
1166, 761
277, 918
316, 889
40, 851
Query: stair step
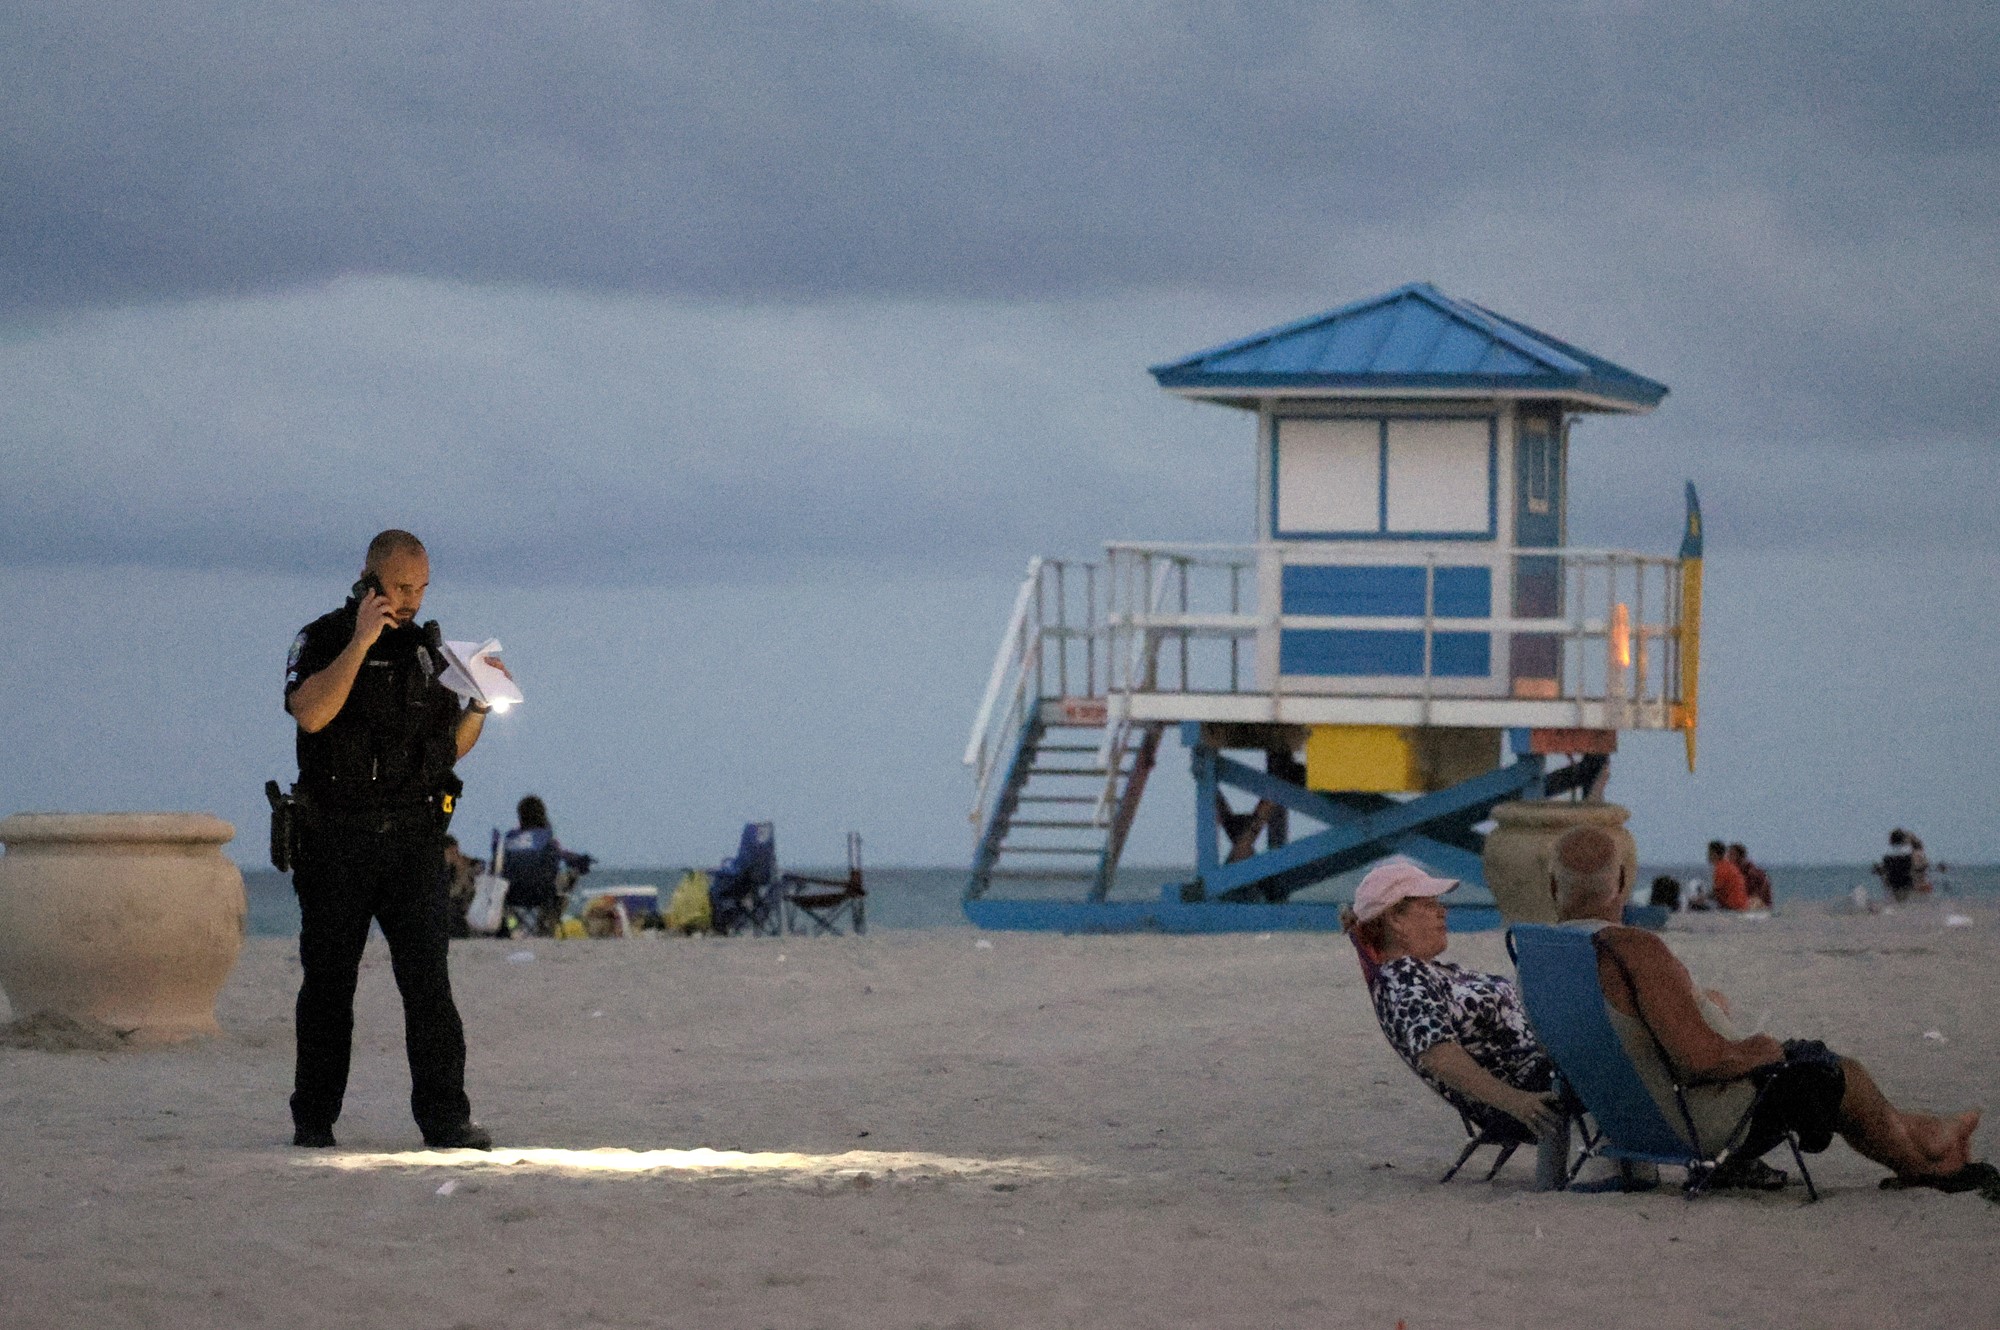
1023, 822
1037, 875
1056, 798
1069, 771
1067, 748
1052, 849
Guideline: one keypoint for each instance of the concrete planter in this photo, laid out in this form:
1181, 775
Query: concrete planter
126, 921
1518, 851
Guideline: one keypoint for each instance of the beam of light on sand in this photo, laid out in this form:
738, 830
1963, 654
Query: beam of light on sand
853, 1163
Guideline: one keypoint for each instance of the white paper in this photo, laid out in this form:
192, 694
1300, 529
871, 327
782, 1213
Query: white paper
467, 674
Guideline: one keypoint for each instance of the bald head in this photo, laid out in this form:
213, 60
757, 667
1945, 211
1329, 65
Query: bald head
402, 572
391, 544
1587, 874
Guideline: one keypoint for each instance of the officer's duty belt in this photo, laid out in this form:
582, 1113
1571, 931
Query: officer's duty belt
377, 819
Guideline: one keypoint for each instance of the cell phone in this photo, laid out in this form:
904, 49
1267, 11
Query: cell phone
368, 583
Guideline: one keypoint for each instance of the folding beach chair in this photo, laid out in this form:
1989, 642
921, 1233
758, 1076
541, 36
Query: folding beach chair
1566, 1006
743, 891
818, 905
1508, 1136
532, 893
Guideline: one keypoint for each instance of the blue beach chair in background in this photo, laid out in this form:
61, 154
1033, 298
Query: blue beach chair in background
1566, 1006
743, 890
532, 894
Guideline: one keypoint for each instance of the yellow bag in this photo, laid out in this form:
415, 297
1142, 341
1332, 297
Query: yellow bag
687, 908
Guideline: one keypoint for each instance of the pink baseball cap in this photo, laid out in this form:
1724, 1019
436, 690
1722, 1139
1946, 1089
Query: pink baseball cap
1395, 880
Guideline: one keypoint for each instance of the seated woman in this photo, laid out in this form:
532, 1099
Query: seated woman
539, 871
1465, 1033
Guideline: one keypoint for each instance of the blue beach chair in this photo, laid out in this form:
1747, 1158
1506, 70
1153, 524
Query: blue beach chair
743, 892
1566, 1006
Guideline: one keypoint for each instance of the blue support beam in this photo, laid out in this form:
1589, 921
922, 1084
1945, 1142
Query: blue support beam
1456, 860
1354, 835
1207, 841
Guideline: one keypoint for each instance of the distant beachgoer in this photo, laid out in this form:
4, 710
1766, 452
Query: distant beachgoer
1666, 891
1898, 867
1920, 867
1729, 891
538, 870
1756, 882
461, 877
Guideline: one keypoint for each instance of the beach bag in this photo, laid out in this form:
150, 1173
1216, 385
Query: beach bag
488, 909
489, 904
688, 908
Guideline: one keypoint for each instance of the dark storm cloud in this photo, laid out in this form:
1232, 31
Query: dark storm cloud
691, 290
550, 438
797, 150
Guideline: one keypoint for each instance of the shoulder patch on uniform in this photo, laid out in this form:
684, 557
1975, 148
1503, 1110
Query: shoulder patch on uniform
292, 658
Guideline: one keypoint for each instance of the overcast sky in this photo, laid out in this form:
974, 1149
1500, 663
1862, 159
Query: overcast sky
733, 359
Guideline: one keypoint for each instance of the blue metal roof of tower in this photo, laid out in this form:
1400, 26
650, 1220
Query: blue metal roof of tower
1414, 340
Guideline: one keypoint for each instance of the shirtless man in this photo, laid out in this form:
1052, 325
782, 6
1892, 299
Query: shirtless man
1815, 1091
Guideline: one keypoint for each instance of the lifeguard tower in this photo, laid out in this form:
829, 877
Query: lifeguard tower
1408, 643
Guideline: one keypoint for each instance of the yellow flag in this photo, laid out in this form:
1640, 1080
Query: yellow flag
1690, 710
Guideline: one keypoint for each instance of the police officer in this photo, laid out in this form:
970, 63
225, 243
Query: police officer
378, 736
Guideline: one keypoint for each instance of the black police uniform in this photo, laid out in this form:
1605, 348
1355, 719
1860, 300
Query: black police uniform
374, 796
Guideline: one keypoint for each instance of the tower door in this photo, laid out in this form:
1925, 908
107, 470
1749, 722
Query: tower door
1535, 659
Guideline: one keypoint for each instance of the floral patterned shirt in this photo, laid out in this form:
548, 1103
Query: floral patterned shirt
1422, 1004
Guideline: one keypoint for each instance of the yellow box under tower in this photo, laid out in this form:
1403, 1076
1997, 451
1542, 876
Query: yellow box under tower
1396, 759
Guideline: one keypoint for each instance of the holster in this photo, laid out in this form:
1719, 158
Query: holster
447, 799
284, 827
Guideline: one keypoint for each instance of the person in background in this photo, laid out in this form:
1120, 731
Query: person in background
1898, 867
1756, 882
538, 870
461, 879
1920, 867
1726, 879
1666, 891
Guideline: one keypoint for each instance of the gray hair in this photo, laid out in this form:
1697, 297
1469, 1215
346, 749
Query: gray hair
1588, 866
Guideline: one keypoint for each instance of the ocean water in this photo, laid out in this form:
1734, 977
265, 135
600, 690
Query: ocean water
929, 897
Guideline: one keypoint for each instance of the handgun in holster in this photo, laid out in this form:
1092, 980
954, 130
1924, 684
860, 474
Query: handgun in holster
284, 826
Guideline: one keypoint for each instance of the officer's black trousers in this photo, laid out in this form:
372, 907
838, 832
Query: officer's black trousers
351, 871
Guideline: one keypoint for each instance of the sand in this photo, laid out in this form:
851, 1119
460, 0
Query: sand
953, 1129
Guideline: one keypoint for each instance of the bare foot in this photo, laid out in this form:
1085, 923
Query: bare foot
1945, 1143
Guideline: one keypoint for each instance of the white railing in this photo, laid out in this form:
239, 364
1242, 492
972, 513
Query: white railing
1056, 645
1181, 596
1014, 669
1607, 626
1208, 619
